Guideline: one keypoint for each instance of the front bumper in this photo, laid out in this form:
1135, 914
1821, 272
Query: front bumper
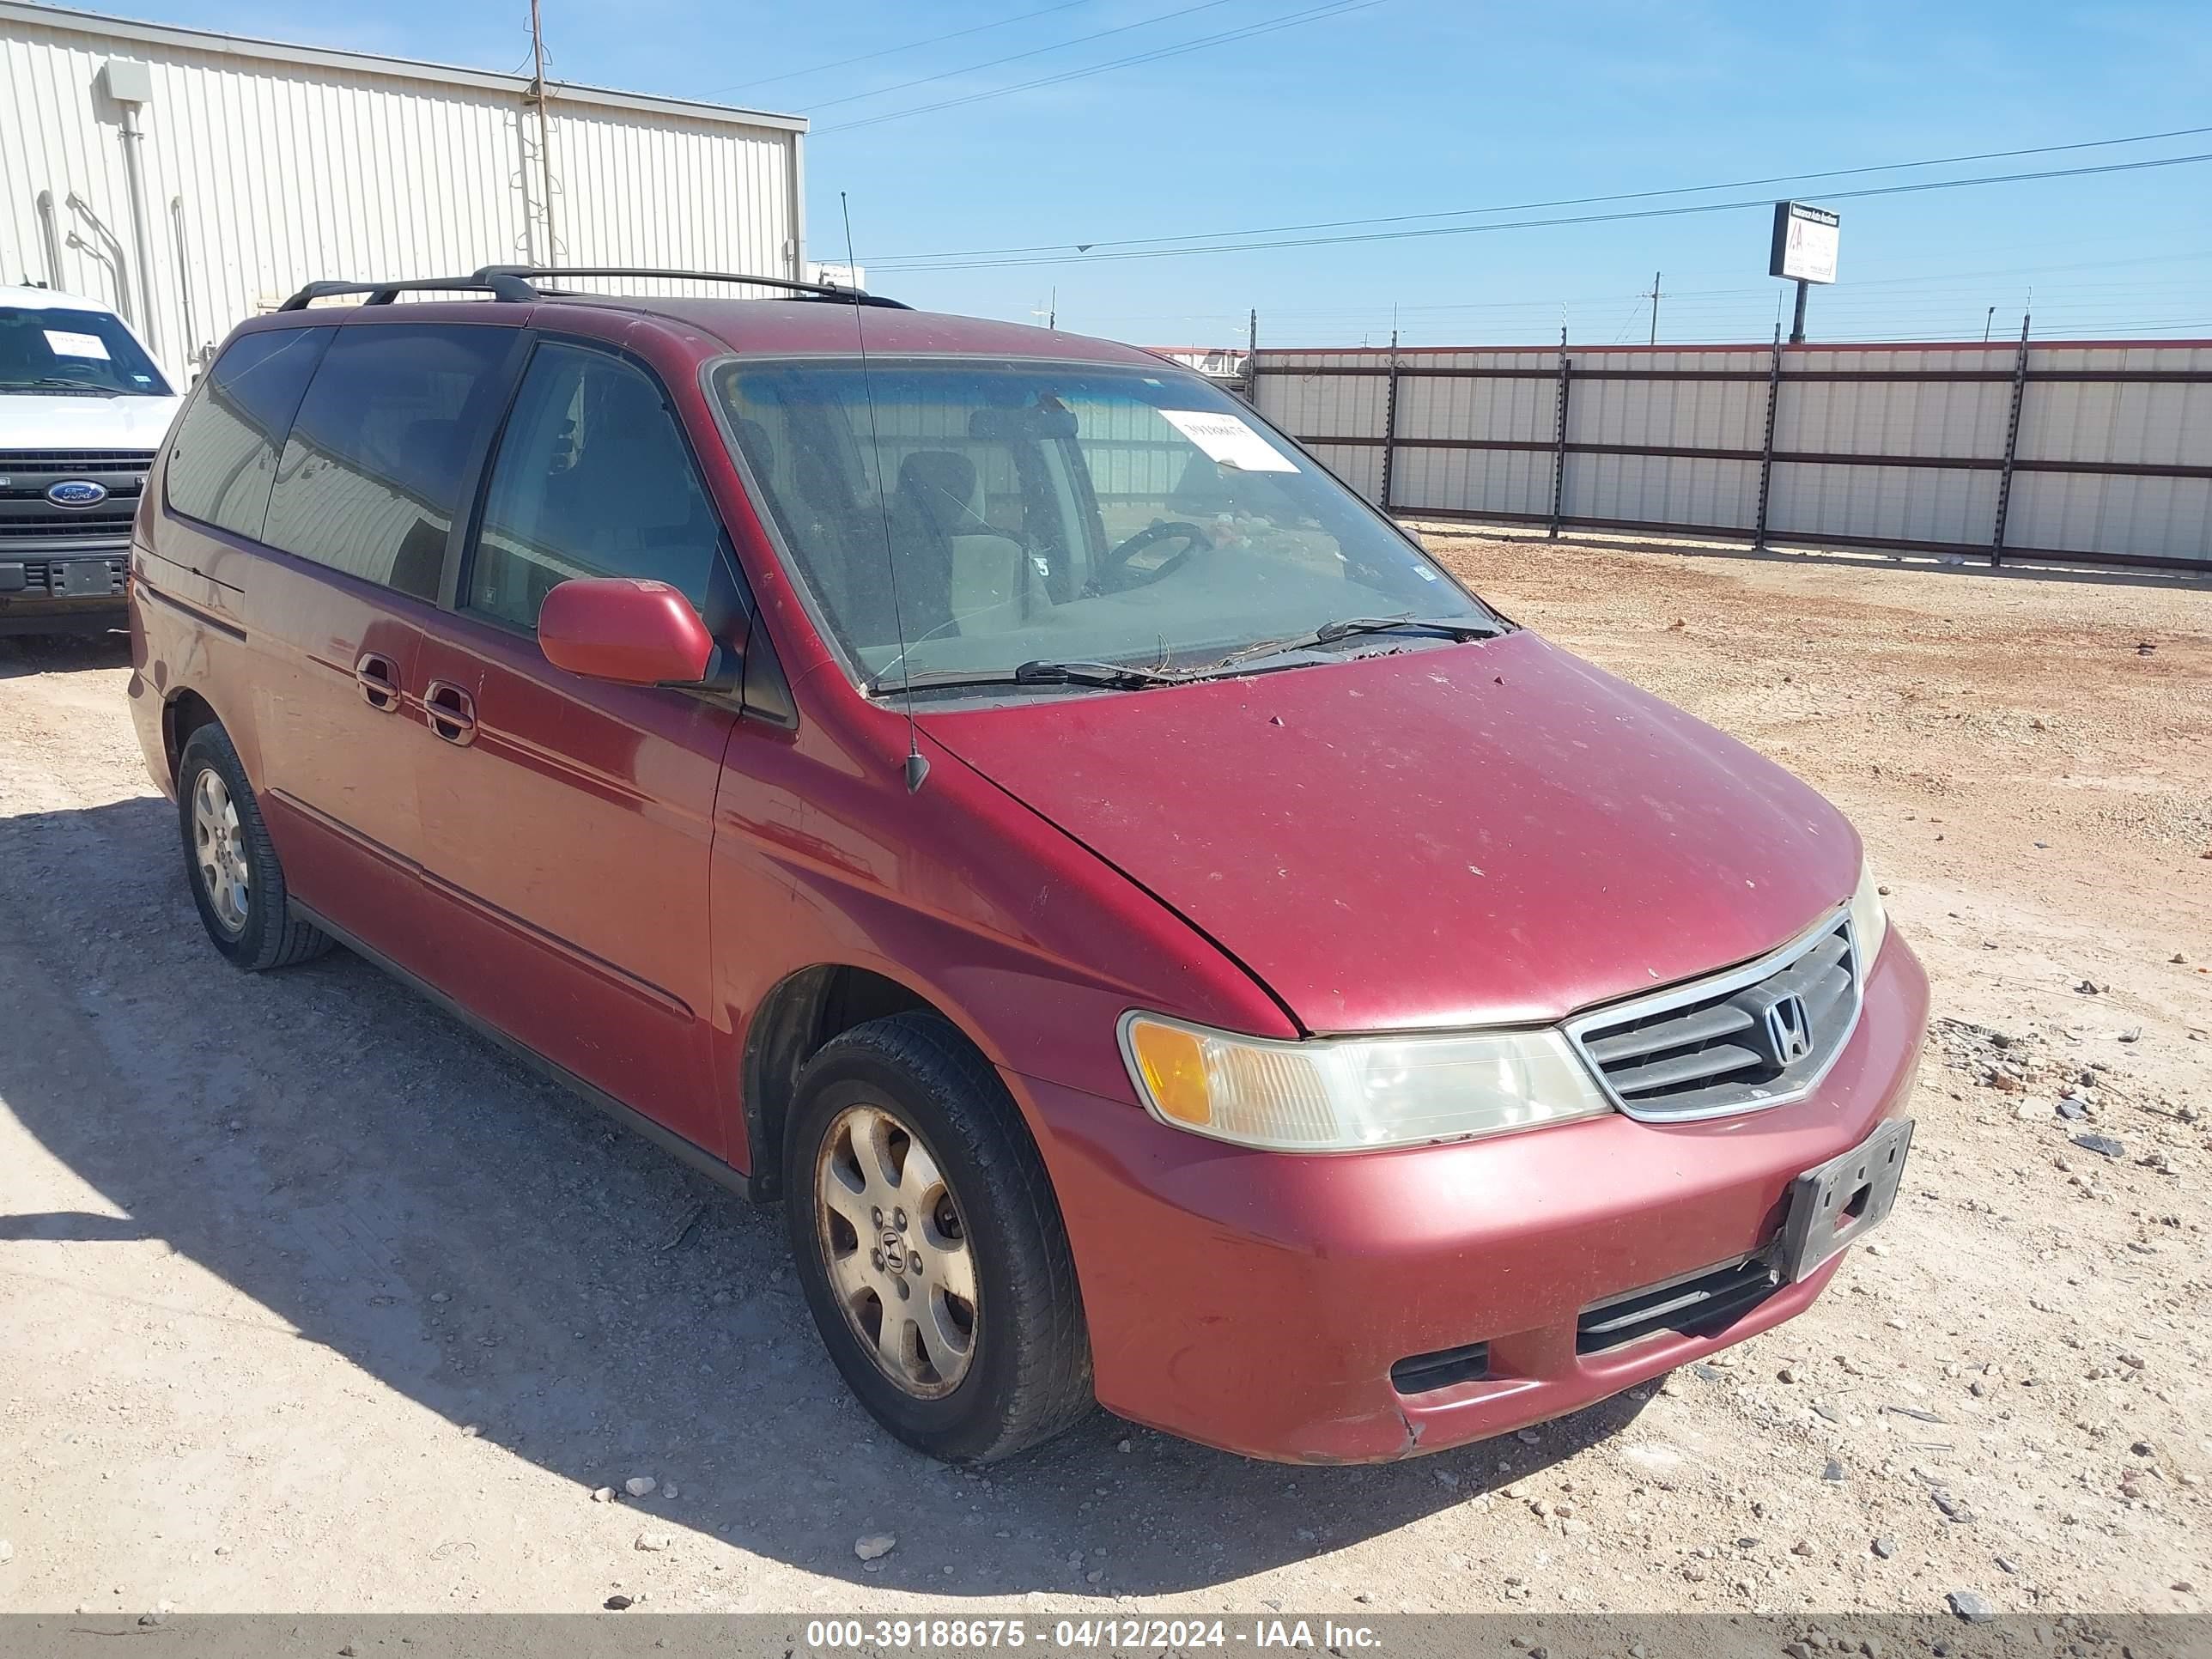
1258, 1300
60, 591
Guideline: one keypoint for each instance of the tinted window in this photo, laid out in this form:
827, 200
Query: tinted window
225, 453
53, 350
371, 476
593, 479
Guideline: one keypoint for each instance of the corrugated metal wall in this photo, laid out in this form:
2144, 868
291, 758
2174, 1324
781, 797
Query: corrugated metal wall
294, 164
2110, 461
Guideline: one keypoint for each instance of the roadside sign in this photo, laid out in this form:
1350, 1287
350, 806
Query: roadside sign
1805, 240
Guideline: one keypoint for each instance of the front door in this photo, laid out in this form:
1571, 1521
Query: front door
567, 821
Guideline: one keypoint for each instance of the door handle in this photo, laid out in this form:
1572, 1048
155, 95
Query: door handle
452, 711
378, 676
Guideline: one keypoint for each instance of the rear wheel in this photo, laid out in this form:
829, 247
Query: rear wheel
236, 881
929, 1245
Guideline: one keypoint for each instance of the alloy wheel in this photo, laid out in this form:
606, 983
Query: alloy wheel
897, 1251
219, 850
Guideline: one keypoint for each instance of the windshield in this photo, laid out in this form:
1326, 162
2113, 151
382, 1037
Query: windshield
44, 349
1058, 512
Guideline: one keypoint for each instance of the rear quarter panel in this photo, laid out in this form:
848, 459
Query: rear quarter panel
187, 628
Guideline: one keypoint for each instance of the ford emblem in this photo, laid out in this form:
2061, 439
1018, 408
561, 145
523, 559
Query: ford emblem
76, 492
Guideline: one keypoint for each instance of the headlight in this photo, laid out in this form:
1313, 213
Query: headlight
1869, 920
1354, 1094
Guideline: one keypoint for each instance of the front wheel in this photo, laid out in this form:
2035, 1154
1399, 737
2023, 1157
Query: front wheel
929, 1244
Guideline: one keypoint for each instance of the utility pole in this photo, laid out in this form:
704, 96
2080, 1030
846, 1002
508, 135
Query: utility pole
1654, 297
545, 128
1986, 324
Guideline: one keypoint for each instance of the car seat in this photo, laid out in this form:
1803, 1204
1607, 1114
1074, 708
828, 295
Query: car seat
986, 589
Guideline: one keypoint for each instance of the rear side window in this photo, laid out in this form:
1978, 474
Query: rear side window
593, 479
225, 454
371, 477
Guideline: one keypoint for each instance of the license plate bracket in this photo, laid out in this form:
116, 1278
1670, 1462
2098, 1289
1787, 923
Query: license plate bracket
80, 578
1834, 1205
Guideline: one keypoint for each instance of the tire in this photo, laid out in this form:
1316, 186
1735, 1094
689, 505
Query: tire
1025, 1375
237, 884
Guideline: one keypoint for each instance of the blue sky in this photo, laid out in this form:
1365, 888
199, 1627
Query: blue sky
1409, 106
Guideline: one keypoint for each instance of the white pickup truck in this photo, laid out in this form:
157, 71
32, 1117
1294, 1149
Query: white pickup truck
82, 408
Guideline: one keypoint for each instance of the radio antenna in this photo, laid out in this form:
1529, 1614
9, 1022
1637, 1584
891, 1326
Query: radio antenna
917, 764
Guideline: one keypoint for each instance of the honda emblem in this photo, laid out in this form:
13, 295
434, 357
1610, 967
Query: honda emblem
1788, 1028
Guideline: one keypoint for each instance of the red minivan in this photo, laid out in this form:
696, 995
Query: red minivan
1166, 944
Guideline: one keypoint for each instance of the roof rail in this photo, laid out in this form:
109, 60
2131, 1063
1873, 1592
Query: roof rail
499, 284
829, 291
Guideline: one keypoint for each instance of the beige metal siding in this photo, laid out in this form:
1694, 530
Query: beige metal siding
1510, 482
2113, 451
294, 164
2117, 422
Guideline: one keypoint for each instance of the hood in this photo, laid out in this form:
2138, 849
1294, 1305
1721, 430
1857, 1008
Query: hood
28, 420
1492, 832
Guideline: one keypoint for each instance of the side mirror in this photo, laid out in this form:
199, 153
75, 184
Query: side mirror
632, 632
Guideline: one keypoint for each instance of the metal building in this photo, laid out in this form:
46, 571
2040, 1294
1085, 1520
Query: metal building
191, 178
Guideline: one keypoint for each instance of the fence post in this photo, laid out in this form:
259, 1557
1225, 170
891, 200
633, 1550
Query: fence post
1767, 449
1559, 440
1390, 424
2011, 445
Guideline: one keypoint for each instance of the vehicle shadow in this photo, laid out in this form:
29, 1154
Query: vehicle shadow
404, 1194
22, 654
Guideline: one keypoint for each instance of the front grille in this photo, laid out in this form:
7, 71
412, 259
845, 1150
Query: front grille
92, 527
1423, 1372
1761, 1035
28, 521
1702, 1304
68, 461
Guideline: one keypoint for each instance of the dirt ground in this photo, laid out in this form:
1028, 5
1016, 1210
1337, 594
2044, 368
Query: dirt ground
311, 1301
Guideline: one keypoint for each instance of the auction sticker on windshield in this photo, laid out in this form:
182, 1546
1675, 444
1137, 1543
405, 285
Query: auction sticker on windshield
1227, 440
64, 344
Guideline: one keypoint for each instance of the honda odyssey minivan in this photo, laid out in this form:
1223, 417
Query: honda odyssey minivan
1165, 944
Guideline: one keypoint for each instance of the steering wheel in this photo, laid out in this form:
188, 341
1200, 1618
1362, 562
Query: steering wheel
1115, 566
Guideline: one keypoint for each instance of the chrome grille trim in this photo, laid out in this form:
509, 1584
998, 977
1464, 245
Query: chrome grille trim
1717, 1098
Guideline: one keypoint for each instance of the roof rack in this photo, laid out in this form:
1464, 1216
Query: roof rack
499, 284
829, 291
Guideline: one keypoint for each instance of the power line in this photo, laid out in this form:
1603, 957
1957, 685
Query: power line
1841, 305
1930, 286
1337, 9
1564, 202
892, 52
1573, 219
1014, 58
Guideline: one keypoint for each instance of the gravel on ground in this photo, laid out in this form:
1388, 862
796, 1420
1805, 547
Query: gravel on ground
313, 1301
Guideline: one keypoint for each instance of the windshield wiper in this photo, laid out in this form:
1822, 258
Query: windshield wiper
1114, 676
1458, 628
57, 383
